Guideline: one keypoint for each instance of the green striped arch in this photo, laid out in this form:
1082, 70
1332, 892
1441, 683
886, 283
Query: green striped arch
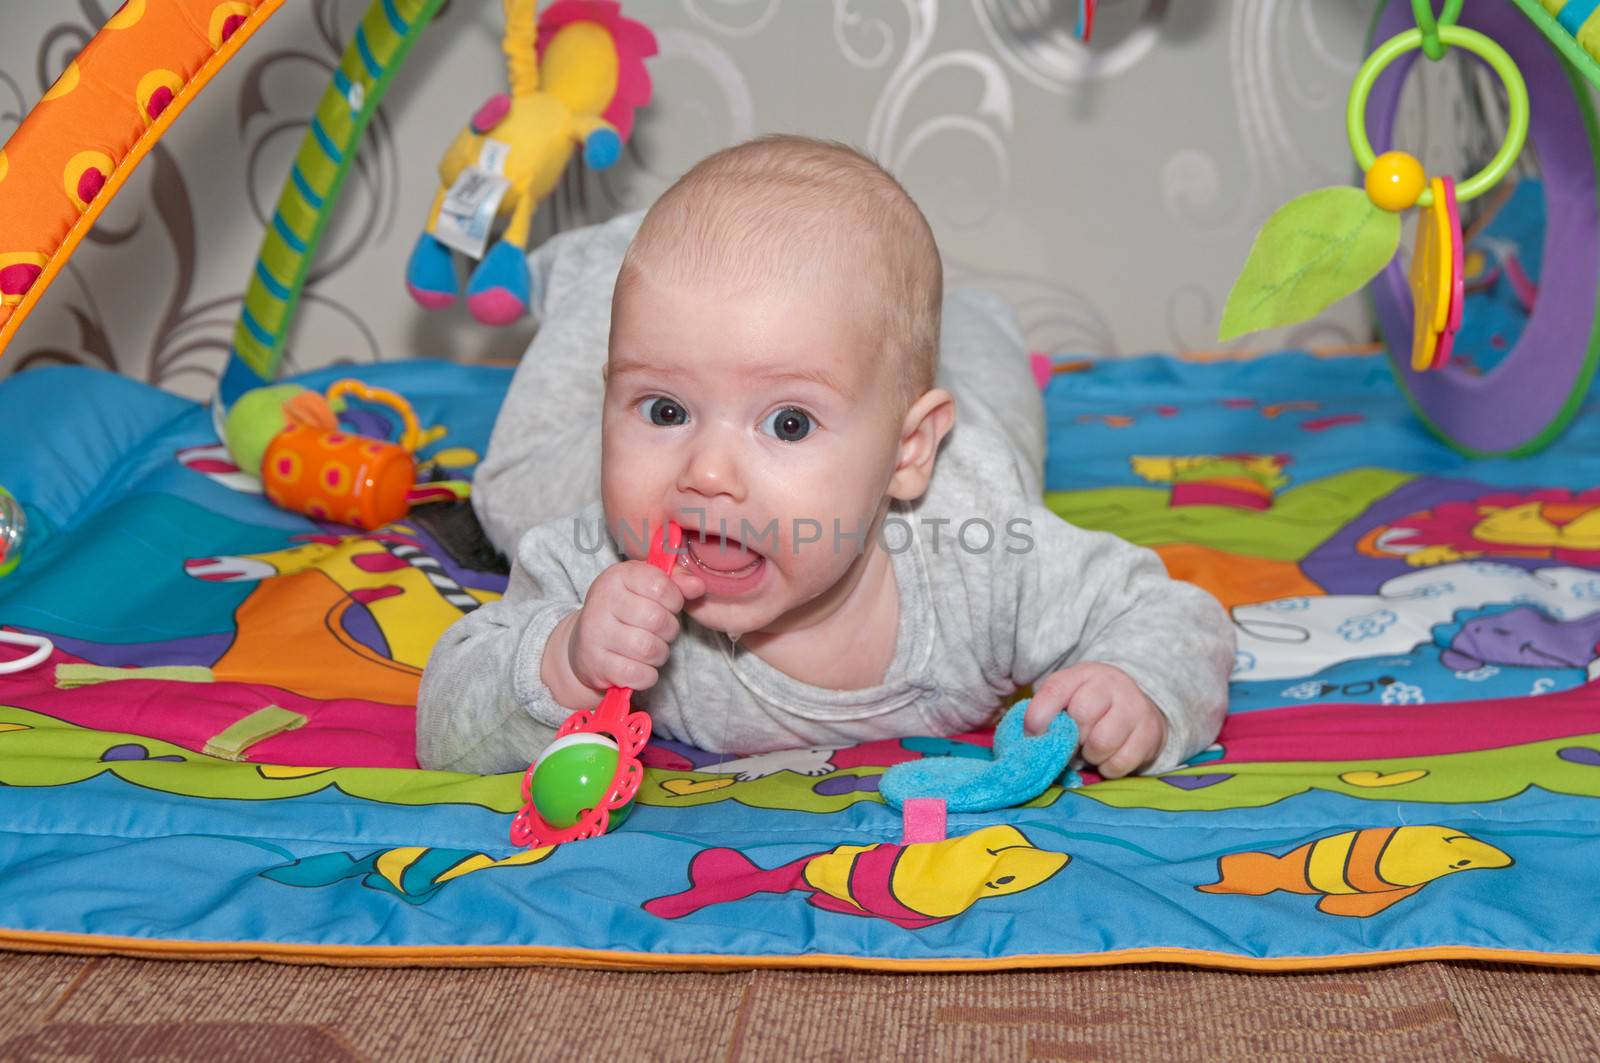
1573, 26
375, 53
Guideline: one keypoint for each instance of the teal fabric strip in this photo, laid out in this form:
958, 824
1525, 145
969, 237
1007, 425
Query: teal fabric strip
1575, 14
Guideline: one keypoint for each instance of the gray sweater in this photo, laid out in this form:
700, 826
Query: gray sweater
976, 623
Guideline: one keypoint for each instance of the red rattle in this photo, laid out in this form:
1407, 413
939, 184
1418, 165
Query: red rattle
587, 779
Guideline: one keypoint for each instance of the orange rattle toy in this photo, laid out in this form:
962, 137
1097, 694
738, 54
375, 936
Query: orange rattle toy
338, 476
290, 435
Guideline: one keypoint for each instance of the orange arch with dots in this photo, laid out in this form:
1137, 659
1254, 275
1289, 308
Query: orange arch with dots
156, 91
110, 106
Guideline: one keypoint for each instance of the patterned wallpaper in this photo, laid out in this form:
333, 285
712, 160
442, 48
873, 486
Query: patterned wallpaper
1109, 192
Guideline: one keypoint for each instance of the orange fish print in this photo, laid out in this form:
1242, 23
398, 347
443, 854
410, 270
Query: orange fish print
1358, 873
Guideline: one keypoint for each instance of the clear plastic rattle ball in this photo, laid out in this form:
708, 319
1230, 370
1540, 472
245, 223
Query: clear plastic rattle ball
13, 527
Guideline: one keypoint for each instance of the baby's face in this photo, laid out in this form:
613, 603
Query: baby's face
758, 422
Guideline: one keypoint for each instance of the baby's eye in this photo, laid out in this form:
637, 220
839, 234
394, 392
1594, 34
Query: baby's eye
788, 424
664, 412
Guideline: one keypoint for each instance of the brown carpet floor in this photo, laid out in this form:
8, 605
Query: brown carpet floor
65, 1007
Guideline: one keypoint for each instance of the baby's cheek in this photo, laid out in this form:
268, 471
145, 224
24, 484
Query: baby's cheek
821, 565
631, 485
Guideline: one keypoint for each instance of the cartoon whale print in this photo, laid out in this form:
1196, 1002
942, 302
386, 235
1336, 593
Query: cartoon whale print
413, 873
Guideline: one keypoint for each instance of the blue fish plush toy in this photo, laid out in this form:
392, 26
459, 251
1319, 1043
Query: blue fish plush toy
1023, 766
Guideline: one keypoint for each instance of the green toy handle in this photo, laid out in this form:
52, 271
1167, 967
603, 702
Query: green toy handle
1432, 46
1456, 36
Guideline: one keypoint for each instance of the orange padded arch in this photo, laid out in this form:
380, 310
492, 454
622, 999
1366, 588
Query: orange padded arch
77, 148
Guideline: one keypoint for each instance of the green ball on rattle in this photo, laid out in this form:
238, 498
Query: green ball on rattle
573, 775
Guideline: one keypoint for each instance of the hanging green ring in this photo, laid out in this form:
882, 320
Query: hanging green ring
1432, 46
1481, 46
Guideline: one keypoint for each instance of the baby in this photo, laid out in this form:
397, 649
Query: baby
856, 567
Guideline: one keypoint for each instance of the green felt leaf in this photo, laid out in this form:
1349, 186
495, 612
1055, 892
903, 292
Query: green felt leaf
1314, 251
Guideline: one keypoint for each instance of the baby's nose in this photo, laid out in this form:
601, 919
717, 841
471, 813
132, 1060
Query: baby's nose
712, 470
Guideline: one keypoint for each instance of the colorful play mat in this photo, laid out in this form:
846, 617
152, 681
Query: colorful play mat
213, 754
217, 759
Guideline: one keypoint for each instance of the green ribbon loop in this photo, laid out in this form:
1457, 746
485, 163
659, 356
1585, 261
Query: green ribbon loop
1433, 46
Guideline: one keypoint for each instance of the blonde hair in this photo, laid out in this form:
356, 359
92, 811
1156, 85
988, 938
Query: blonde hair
784, 208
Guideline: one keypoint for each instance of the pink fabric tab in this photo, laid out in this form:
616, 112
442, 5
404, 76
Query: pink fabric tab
922, 820
1042, 367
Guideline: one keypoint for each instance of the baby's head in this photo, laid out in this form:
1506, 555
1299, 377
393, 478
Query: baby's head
770, 385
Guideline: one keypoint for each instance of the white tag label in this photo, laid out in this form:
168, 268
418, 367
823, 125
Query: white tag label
469, 209
492, 156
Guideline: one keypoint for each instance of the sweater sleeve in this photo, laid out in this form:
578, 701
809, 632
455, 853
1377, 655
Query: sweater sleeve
1089, 596
482, 706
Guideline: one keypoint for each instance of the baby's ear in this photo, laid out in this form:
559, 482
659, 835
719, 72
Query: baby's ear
926, 424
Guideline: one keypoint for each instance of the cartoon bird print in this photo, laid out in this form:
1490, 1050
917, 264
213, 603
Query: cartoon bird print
912, 886
1358, 873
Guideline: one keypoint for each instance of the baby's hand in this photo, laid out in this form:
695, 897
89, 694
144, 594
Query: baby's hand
624, 631
1120, 729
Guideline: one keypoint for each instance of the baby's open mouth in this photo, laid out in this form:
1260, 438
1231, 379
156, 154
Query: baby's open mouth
726, 565
726, 557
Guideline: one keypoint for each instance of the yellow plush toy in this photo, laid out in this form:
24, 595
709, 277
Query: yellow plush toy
577, 75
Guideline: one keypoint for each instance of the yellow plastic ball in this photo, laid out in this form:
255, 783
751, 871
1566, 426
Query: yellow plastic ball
1395, 180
